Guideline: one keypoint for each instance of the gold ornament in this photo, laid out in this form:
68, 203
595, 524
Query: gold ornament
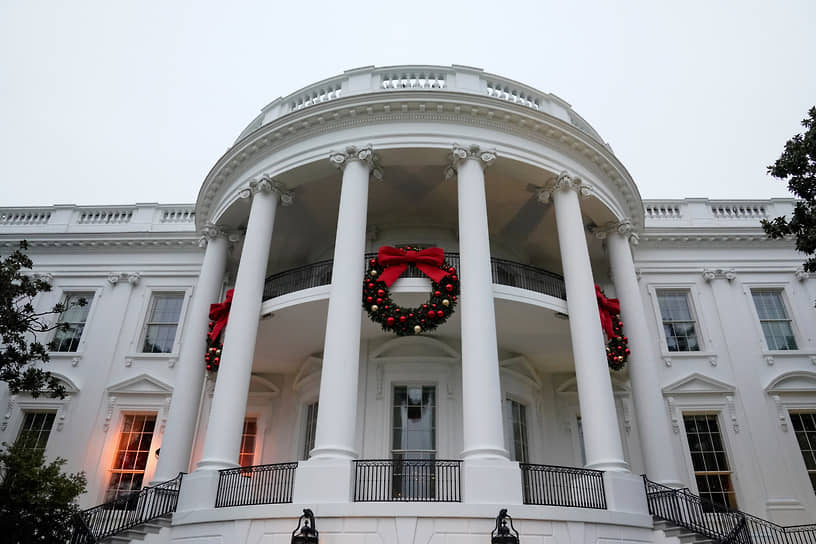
373, 272
374, 308
417, 329
446, 302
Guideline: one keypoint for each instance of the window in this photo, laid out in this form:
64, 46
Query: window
131, 456
311, 425
708, 458
804, 426
36, 429
248, 439
413, 446
774, 319
71, 322
517, 415
679, 325
162, 322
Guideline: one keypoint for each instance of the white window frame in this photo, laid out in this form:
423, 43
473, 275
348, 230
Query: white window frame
509, 437
113, 444
147, 322
259, 435
782, 289
303, 434
65, 292
692, 314
137, 341
38, 410
721, 424
697, 312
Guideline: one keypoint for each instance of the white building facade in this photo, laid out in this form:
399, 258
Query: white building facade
422, 438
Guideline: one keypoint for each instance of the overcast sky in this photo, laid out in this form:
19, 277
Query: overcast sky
114, 102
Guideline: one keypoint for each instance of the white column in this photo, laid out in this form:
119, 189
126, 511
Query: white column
326, 476
488, 475
223, 440
337, 416
481, 388
602, 441
653, 426
190, 373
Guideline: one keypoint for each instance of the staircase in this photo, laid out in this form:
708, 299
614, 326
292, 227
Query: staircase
693, 520
129, 517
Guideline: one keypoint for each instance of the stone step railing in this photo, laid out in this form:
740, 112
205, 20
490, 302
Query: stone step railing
459, 79
71, 218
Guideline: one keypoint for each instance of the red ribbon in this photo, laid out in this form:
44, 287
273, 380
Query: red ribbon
608, 308
219, 314
396, 261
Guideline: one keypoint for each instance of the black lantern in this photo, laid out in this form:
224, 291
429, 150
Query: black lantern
305, 532
503, 534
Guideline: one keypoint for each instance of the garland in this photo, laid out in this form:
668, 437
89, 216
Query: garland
384, 270
219, 315
617, 350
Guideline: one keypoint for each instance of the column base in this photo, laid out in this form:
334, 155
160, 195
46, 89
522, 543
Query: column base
610, 465
198, 490
625, 493
491, 481
323, 480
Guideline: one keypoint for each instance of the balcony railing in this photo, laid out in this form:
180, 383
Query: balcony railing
259, 484
504, 272
407, 480
562, 486
126, 512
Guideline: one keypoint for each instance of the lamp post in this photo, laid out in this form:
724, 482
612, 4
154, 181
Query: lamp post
305, 532
503, 534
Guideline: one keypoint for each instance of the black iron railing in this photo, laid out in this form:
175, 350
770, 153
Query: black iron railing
720, 523
408, 480
504, 273
562, 486
126, 512
259, 484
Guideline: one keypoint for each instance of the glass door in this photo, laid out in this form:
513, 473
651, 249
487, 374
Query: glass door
413, 446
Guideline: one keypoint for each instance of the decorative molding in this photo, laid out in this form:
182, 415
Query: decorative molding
796, 381
675, 421
460, 154
564, 182
12, 402
128, 362
109, 412
210, 232
165, 412
770, 360
60, 417
171, 362
732, 412
75, 361
710, 274
97, 243
712, 360
697, 383
364, 154
134, 278
44, 276
780, 412
801, 275
667, 361
623, 227
114, 277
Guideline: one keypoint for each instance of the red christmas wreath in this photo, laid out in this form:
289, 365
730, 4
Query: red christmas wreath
617, 345
389, 265
219, 315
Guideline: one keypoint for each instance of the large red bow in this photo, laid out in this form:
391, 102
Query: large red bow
397, 260
219, 314
608, 308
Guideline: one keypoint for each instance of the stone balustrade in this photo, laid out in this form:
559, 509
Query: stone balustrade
82, 219
448, 79
702, 212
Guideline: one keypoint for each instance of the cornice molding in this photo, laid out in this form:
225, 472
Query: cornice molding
128, 243
459, 108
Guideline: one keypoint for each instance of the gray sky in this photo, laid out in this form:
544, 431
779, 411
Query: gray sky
113, 102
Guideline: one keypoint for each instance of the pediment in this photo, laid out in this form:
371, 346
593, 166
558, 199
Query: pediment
799, 381
697, 384
570, 387
418, 347
140, 385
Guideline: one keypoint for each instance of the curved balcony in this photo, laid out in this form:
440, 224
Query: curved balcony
505, 272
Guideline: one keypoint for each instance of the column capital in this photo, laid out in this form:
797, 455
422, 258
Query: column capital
623, 227
265, 184
460, 153
564, 182
364, 154
211, 232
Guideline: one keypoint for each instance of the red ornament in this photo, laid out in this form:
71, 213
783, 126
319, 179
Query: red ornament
371, 286
379, 301
369, 299
380, 293
390, 321
454, 277
431, 314
410, 315
437, 293
403, 319
452, 270
449, 287
454, 297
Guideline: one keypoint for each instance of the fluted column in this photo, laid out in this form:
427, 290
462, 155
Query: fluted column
337, 417
190, 373
483, 431
602, 441
223, 439
655, 437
